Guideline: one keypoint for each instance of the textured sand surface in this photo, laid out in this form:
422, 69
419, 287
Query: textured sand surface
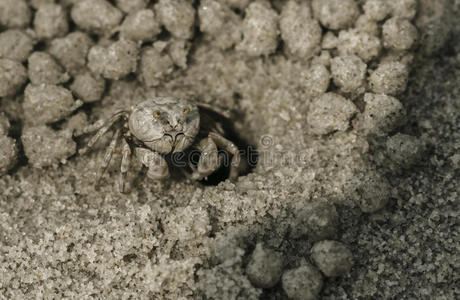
356, 117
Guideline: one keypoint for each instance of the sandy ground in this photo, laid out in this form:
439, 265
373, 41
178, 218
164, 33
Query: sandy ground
176, 239
410, 250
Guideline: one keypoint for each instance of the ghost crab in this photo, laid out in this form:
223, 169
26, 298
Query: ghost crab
158, 127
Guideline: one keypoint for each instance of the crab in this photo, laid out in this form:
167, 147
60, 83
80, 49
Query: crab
158, 127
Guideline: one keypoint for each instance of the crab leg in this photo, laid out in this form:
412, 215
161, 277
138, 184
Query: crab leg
90, 128
101, 132
107, 156
100, 123
125, 161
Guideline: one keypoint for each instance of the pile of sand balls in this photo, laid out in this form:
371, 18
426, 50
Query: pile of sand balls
267, 267
365, 50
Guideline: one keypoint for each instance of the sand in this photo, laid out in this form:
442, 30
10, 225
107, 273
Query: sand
355, 192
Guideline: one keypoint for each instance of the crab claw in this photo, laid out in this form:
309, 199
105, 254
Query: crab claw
156, 164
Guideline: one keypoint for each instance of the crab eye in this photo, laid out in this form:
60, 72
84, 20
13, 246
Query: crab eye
156, 114
186, 110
